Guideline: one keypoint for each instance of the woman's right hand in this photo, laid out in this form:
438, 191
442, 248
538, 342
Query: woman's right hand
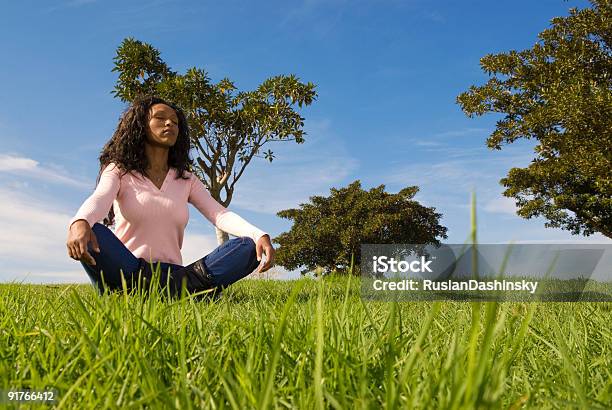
79, 235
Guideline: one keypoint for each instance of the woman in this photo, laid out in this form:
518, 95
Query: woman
145, 182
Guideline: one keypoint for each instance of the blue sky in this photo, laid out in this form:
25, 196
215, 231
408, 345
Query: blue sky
387, 75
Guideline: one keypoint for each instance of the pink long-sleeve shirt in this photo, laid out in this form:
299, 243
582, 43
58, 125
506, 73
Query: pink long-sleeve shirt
151, 222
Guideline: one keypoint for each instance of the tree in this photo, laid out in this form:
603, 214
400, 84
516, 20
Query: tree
327, 233
228, 127
560, 94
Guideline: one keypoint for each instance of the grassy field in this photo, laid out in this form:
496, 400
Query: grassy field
302, 344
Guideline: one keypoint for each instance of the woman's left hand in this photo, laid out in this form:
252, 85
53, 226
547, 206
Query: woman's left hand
265, 246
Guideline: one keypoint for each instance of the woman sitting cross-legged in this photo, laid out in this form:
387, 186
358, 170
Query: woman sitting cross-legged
144, 186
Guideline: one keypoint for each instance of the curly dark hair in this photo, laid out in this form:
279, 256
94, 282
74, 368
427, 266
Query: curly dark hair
126, 148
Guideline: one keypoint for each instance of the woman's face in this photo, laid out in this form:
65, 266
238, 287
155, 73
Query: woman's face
163, 126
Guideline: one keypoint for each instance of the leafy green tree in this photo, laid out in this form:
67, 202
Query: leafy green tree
560, 94
327, 233
228, 127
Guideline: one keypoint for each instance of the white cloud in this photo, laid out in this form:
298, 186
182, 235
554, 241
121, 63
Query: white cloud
421, 143
30, 168
33, 239
69, 4
447, 177
196, 246
446, 184
593, 239
501, 205
45, 276
458, 170
532, 233
10, 163
464, 132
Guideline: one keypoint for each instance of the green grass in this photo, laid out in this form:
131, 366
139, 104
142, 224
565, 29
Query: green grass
304, 344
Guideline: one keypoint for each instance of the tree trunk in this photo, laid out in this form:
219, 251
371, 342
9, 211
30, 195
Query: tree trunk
221, 236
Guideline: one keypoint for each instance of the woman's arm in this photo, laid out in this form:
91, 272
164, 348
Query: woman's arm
230, 222
220, 216
96, 207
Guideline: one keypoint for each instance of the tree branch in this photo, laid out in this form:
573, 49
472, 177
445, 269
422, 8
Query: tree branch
245, 163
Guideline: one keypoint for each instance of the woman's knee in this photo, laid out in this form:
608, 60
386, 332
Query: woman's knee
235, 260
249, 247
98, 228
248, 242
252, 263
243, 244
105, 237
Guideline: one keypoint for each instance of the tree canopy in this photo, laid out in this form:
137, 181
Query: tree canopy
228, 127
328, 231
559, 93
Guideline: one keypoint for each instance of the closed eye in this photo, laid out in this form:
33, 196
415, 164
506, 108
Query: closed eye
175, 122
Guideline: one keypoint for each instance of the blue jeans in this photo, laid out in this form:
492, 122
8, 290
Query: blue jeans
228, 263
